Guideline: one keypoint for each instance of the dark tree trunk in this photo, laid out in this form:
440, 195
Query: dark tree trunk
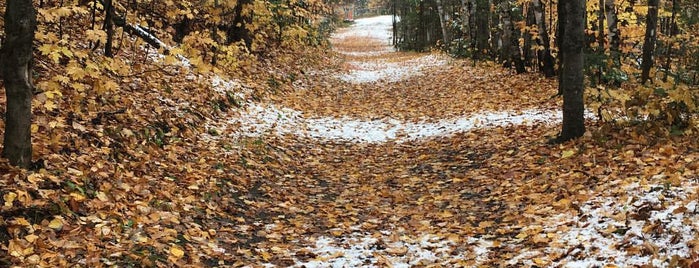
526, 49
546, 60
510, 40
600, 26
571, 79
560, 33
20, 24
108, 27
672, 32
482, 29
649, 40
465, 18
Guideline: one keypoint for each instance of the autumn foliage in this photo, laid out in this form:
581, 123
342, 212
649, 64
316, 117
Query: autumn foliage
135, 165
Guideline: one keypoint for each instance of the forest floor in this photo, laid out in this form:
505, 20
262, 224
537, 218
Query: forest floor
366, 158
415, 159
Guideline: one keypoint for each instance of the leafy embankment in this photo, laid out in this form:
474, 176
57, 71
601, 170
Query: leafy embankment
123, 173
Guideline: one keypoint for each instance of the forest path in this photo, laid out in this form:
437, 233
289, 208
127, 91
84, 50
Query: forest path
402, 159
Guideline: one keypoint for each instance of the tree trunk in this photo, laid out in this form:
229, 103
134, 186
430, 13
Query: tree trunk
473, 26
560, 33
546, 60
465, 18
672, 33
510, 40
613, 31
482, 29
108, 27
443, 22
506, 36
649, 40
20, 25
571, 79
600, 26
527, 48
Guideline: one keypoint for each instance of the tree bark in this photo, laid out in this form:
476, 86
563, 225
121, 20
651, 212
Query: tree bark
546, 60
108, 27
527, 48
482, 29
571, 79
465, 18
443, 22
672, 33
649, 40
600, 26
613, 31
20, 25
510, 40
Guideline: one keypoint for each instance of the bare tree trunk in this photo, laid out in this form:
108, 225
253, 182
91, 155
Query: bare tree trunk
571, 79
600, 26
613, 31
526, 49
673, 32
465, 18
546, 60
20, 25
482, 24
443, 22
510, 40
506, 36
108, 27
649, 40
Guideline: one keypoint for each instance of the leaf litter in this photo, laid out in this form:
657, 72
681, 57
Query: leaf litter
174, 181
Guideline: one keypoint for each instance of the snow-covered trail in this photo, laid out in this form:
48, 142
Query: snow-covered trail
361, 42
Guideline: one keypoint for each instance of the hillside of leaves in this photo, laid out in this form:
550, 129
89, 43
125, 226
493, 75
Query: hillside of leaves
122, 175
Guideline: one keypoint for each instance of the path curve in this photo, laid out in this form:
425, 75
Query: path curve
367, 37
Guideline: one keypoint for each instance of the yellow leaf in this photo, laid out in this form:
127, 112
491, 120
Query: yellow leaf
22, 221
486, 224
522, 235
49, 105
101, 196
177, 252
77, 196
31, 238
539, 262
9, 198
56, 224
265, 256
567, 153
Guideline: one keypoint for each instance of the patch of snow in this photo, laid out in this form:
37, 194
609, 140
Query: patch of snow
657, 224
375, 27
379, 70
257, 120
366, 250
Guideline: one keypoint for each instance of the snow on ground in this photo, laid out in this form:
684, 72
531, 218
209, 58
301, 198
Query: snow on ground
657, 224
259, 120
380, 70
378, 29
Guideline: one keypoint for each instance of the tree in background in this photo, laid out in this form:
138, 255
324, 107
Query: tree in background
20, 24
649, 40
